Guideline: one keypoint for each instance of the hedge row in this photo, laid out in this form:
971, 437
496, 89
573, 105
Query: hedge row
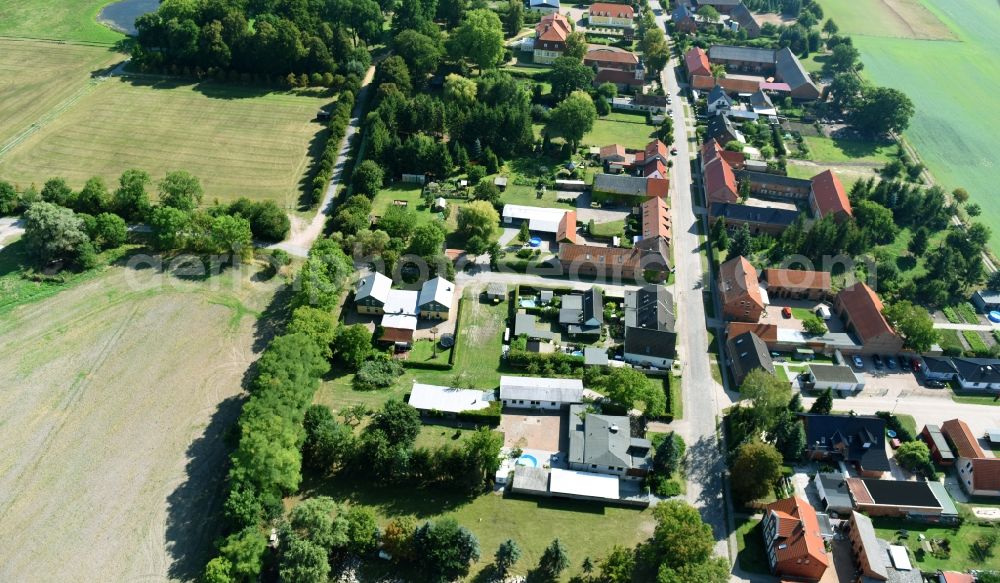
458, 327
428, 365
524, 359
340, 117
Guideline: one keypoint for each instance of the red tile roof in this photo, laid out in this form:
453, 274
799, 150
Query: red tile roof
735, 159
986, 474
731, 85
658, 187
396, 335
766, 332
617, 77
962, 438
615, 10
552, 27
613, 150
738, 281
865, 311
655, 219
697, 63
711, 150
956, 577
603, 55
656, 167
720, 182
567, 227
797, 279
654, 148
798, 534
829, 194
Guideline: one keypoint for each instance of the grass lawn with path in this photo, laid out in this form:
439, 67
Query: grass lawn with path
961, 541
835, 150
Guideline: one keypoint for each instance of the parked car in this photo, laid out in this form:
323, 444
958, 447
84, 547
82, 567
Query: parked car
933, 384
858, 363
877, 360
673, 151
786, 312
891, 362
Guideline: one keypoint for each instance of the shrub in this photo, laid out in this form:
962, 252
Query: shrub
377, 374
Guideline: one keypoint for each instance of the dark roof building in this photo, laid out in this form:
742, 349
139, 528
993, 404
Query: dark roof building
760, 220
582, 313
651, 307
833, 491
936, 442
855, 439
746, 20
747, 353
902, 498
977, 373
649, 258
604, 444
650, 346
527, 325
721, 129
733, 54
790, 70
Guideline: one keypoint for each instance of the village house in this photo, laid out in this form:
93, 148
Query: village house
855, 439
550, 38
448, 402
747, 22
519, 392
836, 377
915, 500
650, 339
544, 6
986, 300
722, 129
697, 64
604, 14
861, 310
739, 290
938, 445
656, 219
647, 260
557, 223
978, 474
874, 558
747, 353
782, 64
582, 313
684, 18
794, 540
769, 220
401, 309
603, 444
635, 187
718, 101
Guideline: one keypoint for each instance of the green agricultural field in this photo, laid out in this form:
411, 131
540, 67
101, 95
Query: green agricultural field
239, 141
38, 77
69, 20
953, 134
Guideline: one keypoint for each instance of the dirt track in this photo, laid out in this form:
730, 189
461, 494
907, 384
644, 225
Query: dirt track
114, 399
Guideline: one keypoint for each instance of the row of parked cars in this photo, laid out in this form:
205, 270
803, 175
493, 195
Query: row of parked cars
894, 362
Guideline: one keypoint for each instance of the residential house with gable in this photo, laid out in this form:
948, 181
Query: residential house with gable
858, 440
605, 14
747, 353
550, 38
861, 310
739, 290
794, 540
978, 474
603, 444
650, 339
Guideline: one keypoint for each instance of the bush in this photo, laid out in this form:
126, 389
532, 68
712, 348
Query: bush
892, 422
377, 374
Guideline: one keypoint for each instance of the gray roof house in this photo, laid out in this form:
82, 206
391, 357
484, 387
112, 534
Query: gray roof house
622, 184
986, 300
746, 20
833, 491
790, 70
539, 392
527, 325
594, 356
373, 290
747, 353
436, 295
604, 444
742, 54
717, 100
651, 306
721, 129
651, 347
582, 313
977, 373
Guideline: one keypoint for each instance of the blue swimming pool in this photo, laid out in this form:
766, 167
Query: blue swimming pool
527, 303
527, 460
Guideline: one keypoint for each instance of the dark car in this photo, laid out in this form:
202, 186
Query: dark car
877, 360
915, 364
891, 362
934, 384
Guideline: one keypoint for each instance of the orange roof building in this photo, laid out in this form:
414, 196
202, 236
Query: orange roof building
829, 197
741, 297
552, 27
567, 228
962, 439
720, 182
861, 309
794, 541
697, 63
656, 219
766, 332
978, 474
797, 284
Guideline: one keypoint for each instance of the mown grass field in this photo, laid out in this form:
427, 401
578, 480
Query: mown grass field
69, 20
37, 77
118, 391
961, 539
239, 141
953, 130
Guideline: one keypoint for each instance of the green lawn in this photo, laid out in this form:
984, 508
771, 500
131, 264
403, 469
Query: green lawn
779, 371
961, 541
833, 150
70, 20
908, 423
750, 542
529, 196
801, 313
949, 132
239, 141
608, 230
949, 339
973, 398
608, 131
435, 436
424, 351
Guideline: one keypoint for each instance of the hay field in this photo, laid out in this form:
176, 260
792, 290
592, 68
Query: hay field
116, 396
240, 141
954, 87
70, 20
37, 77
887, 18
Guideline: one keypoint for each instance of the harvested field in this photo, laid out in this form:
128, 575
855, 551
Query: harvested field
909, 19
38, 77
240, 141
117, 393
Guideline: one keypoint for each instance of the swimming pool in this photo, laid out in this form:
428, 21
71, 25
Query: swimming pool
527, 303
527, 460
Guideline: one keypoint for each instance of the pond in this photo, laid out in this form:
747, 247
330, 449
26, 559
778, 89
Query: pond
121, 15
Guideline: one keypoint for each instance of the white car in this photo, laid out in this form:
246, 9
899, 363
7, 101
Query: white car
858, 363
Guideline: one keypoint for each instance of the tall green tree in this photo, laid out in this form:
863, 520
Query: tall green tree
444, 551
554, 560
304, 562
680, 537
507, 555
741, 244
131, 199
180, 190
572, 118
576, 46
367, 178
513, 19
57, 192
8, 198
479, 39
913, 323
54, 233
567, 75
758, 466
882, 110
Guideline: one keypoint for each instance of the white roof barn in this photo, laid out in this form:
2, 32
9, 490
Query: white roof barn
541, 389
545, 220
446, 399
400, 310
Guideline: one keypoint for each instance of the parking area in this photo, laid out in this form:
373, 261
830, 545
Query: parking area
797, 310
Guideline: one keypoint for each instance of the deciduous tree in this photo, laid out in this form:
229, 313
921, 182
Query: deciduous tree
569, 74
479, 39
913, 323
572, 118
758, 466
180, 190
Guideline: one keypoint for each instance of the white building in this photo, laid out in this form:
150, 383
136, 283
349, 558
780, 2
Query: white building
836, 377
446, 400
539, 392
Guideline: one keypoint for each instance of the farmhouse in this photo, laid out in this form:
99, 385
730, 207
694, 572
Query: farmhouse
696, 61
582, 313
794, 540
602, 57
720, 183
560, 224
436, 298
372, 293
829, 197
797, 284
550, 38
747, 352
858, 440
861, 310
623, 185
401, 309
539, 392
610, 15
741, 294
603, 444
928, 501
647, 259
746, 20
447, 401
656, 219
399, 319
875, 559
781, 63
